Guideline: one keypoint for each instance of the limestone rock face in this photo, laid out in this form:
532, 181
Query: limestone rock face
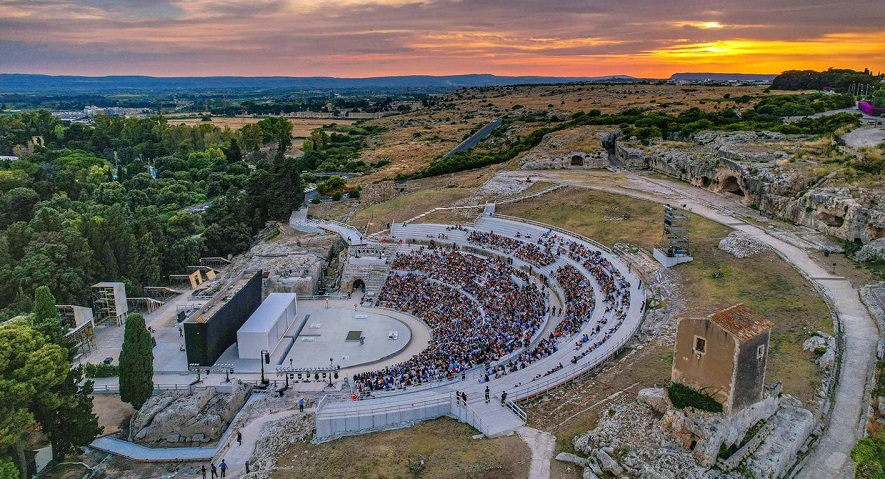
567, 457
608, 464
792, 427
178, 417
581, 148
872, 251
825, 342
275, 437
752, 166
656, 398
632, 441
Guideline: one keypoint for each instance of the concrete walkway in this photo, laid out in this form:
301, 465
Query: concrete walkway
236, 455
830, 458
542, 445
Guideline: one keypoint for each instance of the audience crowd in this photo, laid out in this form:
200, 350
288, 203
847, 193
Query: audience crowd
527, 252
483, 310
479, 309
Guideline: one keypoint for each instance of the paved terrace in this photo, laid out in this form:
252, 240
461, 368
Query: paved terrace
404, 407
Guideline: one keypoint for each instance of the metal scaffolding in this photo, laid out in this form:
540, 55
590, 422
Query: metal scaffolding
109, 302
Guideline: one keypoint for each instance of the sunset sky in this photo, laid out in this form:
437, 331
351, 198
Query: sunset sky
360, 38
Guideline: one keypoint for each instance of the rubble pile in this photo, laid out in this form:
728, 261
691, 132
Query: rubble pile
741, 245
276, 437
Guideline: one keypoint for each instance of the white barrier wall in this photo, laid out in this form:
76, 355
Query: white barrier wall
338, 423
265, 328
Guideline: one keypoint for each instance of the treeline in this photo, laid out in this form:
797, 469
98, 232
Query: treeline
839, 80
650, 125
117, 201
803, 105
274, 106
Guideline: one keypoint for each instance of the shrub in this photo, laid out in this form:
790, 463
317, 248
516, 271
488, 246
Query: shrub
869, 454
101, 370
683, 396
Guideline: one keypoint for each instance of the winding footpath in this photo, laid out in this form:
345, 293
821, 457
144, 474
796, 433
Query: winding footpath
830, 457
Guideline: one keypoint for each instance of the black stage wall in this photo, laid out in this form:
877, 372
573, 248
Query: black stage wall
205, 342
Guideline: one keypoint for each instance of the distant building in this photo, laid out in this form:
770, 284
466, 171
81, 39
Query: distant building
724, 354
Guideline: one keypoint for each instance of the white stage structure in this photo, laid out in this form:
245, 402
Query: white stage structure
265, 328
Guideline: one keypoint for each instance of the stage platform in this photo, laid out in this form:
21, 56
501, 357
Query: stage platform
330, 332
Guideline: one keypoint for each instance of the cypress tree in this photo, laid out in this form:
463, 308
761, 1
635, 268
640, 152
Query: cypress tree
45, 317
136, 362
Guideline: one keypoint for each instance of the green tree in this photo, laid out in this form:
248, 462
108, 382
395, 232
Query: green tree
136, 362
64, 411
8, 469
45, 316
29, 366
869, 454
278, 130
286, 192
65, 414
147, 263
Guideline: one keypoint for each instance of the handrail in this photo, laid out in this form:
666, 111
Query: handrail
518, 411
475, 419
359, 411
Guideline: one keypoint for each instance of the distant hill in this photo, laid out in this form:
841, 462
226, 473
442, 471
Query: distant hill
27, 83
719, 77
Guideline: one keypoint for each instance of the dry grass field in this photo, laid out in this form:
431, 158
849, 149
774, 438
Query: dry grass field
111, 411
446, 445
413, 140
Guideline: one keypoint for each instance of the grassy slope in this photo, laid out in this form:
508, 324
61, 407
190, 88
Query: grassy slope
446, 445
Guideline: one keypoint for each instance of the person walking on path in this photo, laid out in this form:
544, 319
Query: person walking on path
203, 470
301, 405
503, 397
487, 394
239, 438
247, 467
327, 303
223, 467
213, 470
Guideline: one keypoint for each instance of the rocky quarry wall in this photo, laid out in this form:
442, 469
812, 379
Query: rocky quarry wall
649, 438
568, 149
179, 418
763, 170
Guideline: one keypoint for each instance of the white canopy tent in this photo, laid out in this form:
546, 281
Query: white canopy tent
265, 328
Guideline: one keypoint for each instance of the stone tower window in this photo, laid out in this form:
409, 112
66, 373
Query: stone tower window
700, 345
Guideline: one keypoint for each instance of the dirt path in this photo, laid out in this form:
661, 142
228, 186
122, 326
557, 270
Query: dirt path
542, 445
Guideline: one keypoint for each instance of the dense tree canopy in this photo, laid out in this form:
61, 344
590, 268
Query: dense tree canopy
839, 80
118, 200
